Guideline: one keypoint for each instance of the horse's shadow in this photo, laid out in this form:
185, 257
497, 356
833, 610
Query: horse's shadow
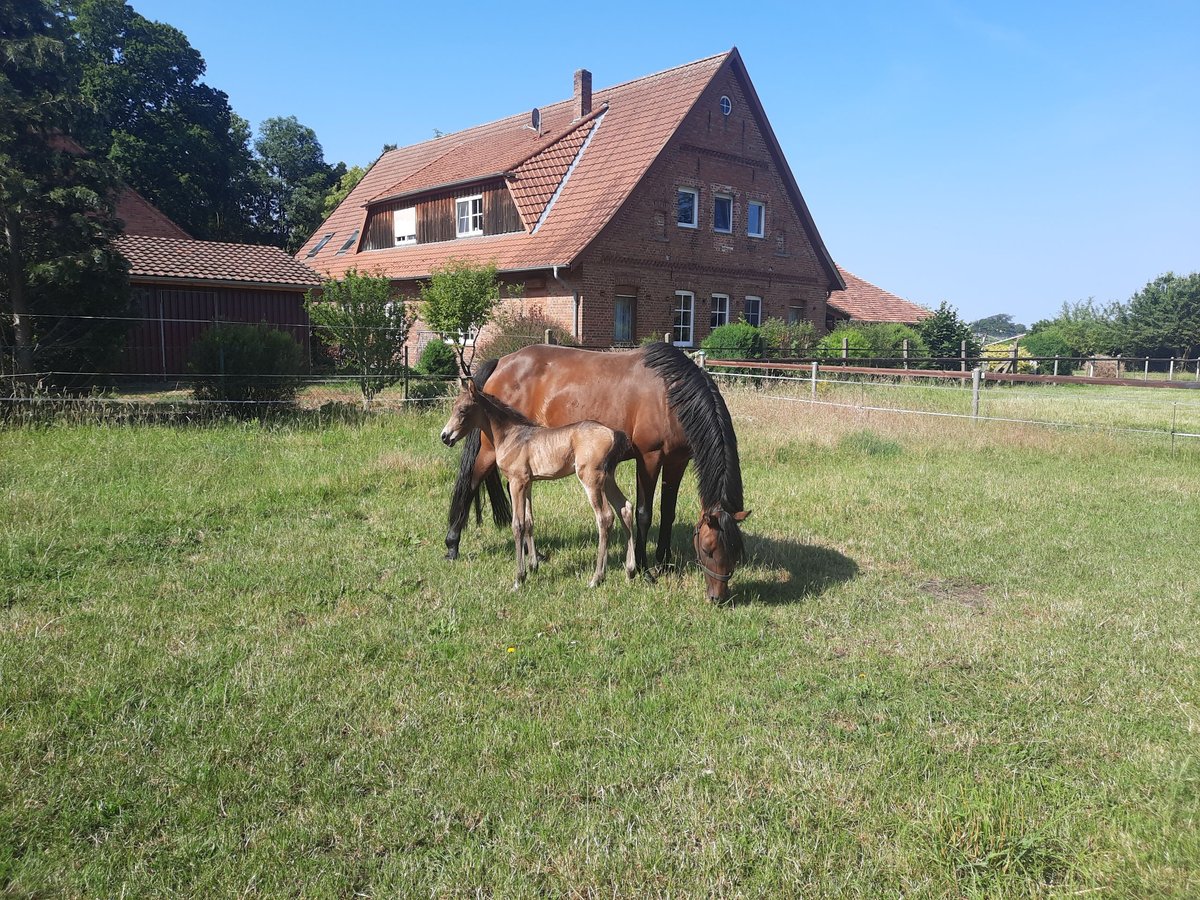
807, 571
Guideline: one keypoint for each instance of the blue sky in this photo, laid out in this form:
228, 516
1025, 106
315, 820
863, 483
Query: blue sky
1003, 157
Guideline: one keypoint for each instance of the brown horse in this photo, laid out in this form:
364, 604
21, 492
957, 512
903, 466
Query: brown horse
527, 452
670, 409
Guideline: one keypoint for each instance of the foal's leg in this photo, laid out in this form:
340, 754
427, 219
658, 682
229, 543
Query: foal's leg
519, 487
593, 485
531, 555
624, 508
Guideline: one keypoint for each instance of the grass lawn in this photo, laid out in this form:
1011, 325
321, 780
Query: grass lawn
963, 660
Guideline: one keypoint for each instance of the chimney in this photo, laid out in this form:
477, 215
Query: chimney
583, 93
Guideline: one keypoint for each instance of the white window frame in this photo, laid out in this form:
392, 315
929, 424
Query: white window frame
471, 215
695, 223
720, 309
684, 335
717, 198
762, 219
757, 304
632, 300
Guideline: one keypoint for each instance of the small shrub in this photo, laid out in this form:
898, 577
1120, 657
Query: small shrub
246, 365
737, 340
438, 359
511, 331
1046, 344
858, 346
887, 344
784, 340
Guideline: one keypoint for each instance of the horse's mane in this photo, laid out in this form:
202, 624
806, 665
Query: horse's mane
696, 402
495, 408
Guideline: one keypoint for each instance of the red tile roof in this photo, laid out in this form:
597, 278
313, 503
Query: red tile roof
626, 138
865, 302
138, 216
153, 257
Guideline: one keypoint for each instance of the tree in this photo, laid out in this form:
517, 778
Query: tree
1162, 319
945, 332
295, 180
1000, 325
1085, 327
366, 326
340, 191
55, 206
458, 300
171, 136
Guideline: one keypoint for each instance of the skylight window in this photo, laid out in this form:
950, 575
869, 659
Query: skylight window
349, 243
320, 245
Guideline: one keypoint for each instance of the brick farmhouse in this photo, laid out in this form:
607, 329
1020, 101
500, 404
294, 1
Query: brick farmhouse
662, 205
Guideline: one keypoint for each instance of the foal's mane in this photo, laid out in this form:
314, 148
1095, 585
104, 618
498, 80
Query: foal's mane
696, 402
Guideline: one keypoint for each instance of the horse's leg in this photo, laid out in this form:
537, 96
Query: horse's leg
672, 475
593, 485
518, 487
471, 473
621, 504
531, 555
648, 467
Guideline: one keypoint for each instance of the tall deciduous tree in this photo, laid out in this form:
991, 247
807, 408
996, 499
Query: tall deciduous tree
61, 268
340, 191
1163, 318
172, 137
296, 179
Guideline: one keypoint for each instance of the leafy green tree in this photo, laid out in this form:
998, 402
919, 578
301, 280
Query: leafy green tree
55, 207
1047, 342
295, 180
847, 339
458, 299
1000, 325
340, 191
944, 333
887, 344
172, 137
1085, 327
1162, 319
366, 326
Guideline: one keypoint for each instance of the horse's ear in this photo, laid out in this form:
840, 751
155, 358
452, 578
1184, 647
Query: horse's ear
742, 516
712, 520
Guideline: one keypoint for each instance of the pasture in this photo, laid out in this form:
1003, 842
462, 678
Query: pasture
962, 659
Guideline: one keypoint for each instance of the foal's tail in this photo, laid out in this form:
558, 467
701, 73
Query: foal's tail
621, 449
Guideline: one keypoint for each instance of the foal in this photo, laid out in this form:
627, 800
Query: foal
527, 452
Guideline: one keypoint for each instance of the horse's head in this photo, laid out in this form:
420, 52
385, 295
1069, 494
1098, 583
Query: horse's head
718, 542
463, 417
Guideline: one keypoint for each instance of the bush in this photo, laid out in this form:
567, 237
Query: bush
1046, 344
858, 346
247, 365
438, 359
887, 344
737, 340
785, 340
510, 331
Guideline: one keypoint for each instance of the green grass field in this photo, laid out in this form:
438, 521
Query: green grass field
963, 660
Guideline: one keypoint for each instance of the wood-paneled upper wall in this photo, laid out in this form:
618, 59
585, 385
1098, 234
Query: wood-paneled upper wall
436, 216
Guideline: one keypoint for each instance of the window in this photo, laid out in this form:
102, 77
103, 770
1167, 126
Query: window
349, 243
405, 221
723, 213
720, 310
470, 215
687, 201
796, 313
726, 106
754, 311
755, 218
685, 307
623, 308
320, 246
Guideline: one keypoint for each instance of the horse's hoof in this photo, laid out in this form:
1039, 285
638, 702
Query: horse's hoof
516, 586
631, 574
452, 553
595, 582
649, 576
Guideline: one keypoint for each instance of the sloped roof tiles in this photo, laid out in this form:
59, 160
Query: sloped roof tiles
866, 302
153, 257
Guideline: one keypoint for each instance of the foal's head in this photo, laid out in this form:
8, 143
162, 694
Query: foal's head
465, 417
718, 542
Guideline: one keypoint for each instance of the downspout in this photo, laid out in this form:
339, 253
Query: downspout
574, 304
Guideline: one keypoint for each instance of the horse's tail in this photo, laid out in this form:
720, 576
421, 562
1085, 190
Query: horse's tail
620, 450
465, 494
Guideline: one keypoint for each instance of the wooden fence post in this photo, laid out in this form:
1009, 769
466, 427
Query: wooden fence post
963, 364
976, 378
906, 353
405, 370
814, 378
1171, 371
845, 350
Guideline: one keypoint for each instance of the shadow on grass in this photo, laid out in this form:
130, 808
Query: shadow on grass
808, 570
